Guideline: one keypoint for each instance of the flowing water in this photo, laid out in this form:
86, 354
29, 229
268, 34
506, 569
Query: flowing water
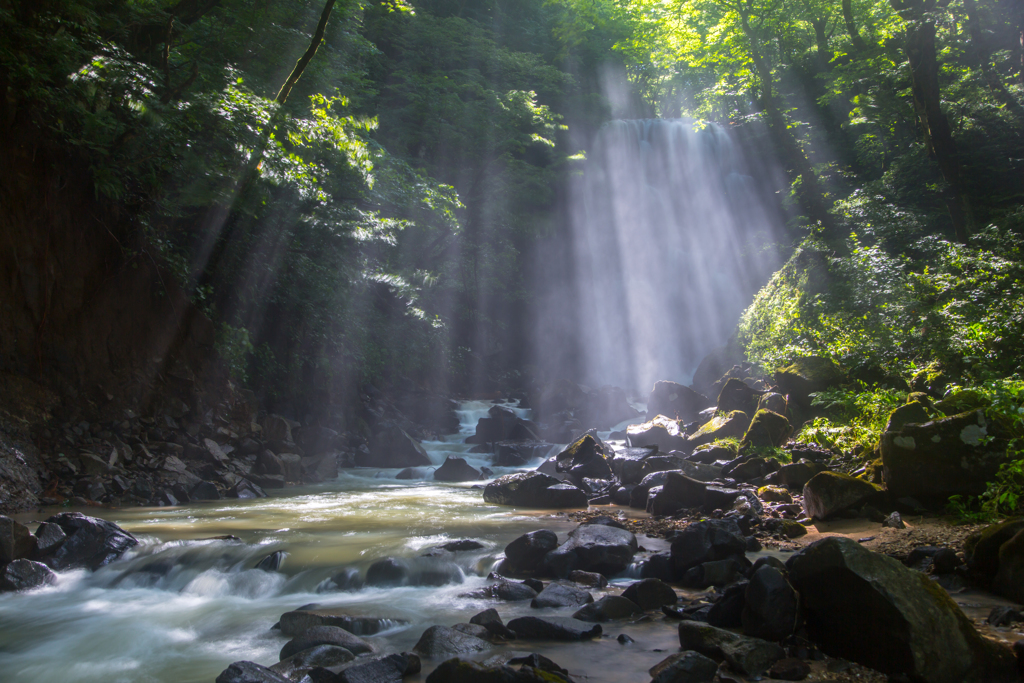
184, 604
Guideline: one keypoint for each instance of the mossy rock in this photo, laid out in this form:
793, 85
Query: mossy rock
932, 380
981, 549
661, 431
828, 493
737, 395
908, 413
732, 425
774, 494
963, 401
767, 430
921, 397
874, 472
804, 376
791, 528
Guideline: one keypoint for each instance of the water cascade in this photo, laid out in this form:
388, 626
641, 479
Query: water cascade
671, 239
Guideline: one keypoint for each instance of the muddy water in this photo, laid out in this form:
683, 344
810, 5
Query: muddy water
184, 605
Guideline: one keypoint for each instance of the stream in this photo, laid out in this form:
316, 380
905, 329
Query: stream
183, 604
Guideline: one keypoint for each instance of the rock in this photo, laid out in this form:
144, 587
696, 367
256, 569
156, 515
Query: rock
981, 549
91, 542
677, 493
591, 579
830, 492
665, 433
651, 594
393, 447
561, 595
774, 402
961, 402
510, 591
894, 521
49, 537
491, 621
908, 413
641, 492
458, 670
675, 401
502, 424
277, 428
320, 468
292, 463
1009, 579
790, 669
1002, 615
326, 635
707, 541
795, 475
737, 395
250, 672
771, 606
298, 621
318, 656
869, 608
389, 571
806, 376
23, 575
16, 541
685, 667
581, 451
527, 552
456, 469
608, 608
627, 463
441, 641
272, 562
533, 489
204, 490
774, 494
553, 628
593, 548
746, 655
727, 612
268, 481
519, 453
246, 489
767, 430
413, 473
713, 573
935, 460
731, 425
385, 669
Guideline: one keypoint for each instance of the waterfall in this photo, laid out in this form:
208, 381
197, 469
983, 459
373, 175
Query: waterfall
670, 240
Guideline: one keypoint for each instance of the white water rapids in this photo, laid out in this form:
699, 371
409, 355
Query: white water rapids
180, 609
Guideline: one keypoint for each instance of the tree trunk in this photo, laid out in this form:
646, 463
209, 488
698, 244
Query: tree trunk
983, 60
851, 27
314, 45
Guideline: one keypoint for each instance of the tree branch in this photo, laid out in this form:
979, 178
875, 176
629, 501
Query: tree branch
314, 45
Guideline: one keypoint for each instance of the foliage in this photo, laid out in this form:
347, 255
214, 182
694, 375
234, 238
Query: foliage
856, 416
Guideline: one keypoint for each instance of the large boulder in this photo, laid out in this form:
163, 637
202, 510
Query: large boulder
298, 665
830, 492
913, 412
527, 552
675, 401
23, 575
738, 395
771, 606
707, 541
796, 474
728, 426
805, 376
326, 635
16, 541
932, 461
981, 549
665, 433
593, 548
502, 424
455, 470
535, 490
651, 594
587, 456
746, 655
608, 608
561, 595
441, 641
381, 669
678, 492
296, 622
767, 430
90, 542
869, 608
393, 447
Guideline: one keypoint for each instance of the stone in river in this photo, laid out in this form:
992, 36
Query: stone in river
528, 551
553, 628
319, 655
491, 620
827, 493
561, 595
23, 575
593, 548
608, 608
751, 656
296, 622
393, 447
533, 489
458, 670
772, 606
684, 667
389, 571
456, 470
707, 541
384, 669
441, 641
510, 591
651, 594
91, 543
250, 672
16, 541
326, 635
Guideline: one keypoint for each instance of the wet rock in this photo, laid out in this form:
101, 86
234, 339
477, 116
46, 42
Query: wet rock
660, 431
393, 447
298, 621
413, 473
528, 551
268, 481
475, 630
981, 549
651, 594
389, 571
894, 521
608, 608
790, 669
1009, 579
795, 475
772, 606
591, 579
806, 376
767, 430
684, 667
491, 620
935, 460
320, 468
713, 573
347, 579
774, 494
277, 428
774, 402
678, 492
91, 542
318, 656
870, 609
385, 669
292, 463
16, 541
628, 463
250, 672
502, 424
455, 470
204, 490
737, 395
553, 628
49, 537
586, 449
561, 595
707, 541
510, 591
675, 401
246, 489
462, 544
458, 670
23, 575
641, 492
830, 492
593, 548
751, 656
518, 454
441, 641
272, 562
731, 425
326, 635
728, 609
533, 489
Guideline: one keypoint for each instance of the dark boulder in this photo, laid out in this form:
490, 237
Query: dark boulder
326, 635
767, 430
727, 612
707, 541
608, 608
553, 628
561, 595
805, 376
441, 641
389, 571
675, 401
981, 549
91, 542
23, 575
510, 591
665, 433
869, 608
250, 672
593, 548
684, 667
746, 655
393, 447
651, 594
728, 426
830, 492
383, 669
272, 562
533, 489
678, 492
1009, 579
771, 606
455, 470
738, 395
527, 552
16, 541
298, 621
323, 656
491, 620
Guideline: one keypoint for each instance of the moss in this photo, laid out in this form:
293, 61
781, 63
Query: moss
792, 529
963, 401
767, 430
